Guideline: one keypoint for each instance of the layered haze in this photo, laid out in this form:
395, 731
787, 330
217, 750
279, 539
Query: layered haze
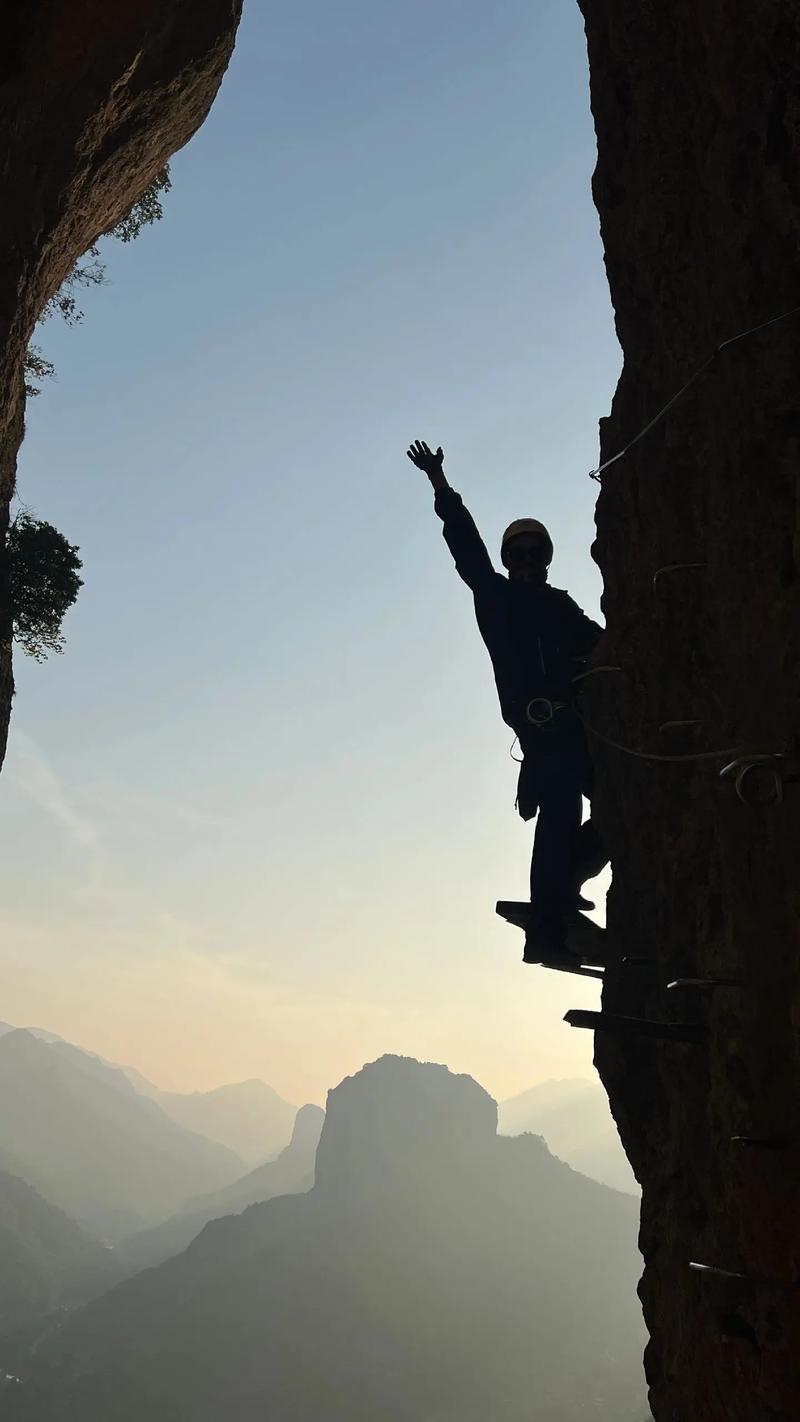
428, 1268
397, 1254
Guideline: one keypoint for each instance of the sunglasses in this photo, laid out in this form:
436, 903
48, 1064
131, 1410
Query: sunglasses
530, 553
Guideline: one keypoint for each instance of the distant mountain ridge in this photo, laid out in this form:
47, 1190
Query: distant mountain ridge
435, 1270
39, 1032
575, 1119
46, 1259
75, 1128
248, 1117
292, 1172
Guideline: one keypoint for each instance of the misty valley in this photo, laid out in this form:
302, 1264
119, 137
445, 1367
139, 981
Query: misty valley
223, 1254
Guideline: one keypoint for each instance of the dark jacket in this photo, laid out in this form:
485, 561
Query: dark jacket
537, 637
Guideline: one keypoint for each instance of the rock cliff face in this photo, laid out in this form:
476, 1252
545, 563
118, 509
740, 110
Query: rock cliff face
93, 99
697, 112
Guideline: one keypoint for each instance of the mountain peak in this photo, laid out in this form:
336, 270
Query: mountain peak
307, 1126
398, 1116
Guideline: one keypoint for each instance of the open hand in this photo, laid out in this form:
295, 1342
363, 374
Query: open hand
424, 458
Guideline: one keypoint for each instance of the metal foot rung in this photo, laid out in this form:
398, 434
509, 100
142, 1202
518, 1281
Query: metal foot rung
762, 1142
578, 970
755, 1280
514, 911
708, 983
637, 1026
718, 1273
585, 939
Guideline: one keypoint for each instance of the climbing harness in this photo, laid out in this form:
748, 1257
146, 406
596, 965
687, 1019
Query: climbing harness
731, 341
541, 710
759, 779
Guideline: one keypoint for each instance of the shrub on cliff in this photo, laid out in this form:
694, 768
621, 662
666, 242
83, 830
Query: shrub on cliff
44, 583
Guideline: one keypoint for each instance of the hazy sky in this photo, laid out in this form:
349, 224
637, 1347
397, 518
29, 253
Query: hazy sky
257, 817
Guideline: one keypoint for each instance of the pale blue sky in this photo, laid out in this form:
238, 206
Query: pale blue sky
259, 812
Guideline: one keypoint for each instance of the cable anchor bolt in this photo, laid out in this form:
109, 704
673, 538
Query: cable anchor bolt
760, 779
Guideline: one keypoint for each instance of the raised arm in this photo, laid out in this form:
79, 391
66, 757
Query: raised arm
472, 561
430, 463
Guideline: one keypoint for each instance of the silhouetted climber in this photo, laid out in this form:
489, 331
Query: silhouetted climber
538, 640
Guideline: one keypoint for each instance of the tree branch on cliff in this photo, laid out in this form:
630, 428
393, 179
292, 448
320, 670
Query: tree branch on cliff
90, 270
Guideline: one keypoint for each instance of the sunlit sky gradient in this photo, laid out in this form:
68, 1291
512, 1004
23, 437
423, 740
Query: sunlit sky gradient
257, 817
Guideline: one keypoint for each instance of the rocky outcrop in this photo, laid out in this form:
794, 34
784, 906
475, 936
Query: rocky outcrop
93, 99
399, 1115
697, 112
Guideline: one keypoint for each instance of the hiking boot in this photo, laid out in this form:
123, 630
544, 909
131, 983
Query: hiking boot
548, 946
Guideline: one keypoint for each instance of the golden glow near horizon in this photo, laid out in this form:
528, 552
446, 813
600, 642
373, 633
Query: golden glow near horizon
295, 992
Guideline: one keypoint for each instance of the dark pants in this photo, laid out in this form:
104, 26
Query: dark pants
554, 776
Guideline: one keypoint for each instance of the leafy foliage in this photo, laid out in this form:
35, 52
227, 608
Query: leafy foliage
37, 367
90, 270
44, 583
146, 210
84, 273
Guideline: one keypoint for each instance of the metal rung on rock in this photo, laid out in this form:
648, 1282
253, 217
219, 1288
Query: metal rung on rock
515, 911
637, 1026
707, 983
578, 970
763, 1142
718, 1273
674, 568
756, 1280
